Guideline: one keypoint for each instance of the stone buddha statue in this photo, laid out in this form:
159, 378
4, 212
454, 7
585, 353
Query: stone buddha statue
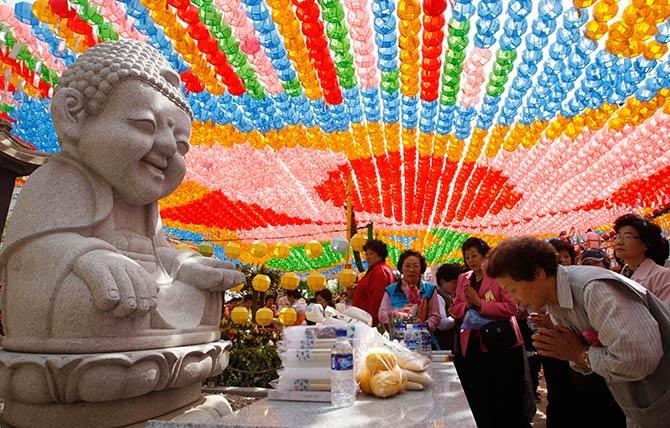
87, 275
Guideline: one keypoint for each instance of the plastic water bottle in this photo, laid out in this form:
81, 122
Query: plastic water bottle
342, 379
426, 340
399, 333
411, 338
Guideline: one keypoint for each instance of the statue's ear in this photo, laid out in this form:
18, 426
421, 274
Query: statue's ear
69, 113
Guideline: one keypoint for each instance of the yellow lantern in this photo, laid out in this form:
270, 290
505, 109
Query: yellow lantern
232, 250
313, 249
237, 288
316, 281
261, 283
358, 241
264, 316
346, 277
281, 251
259, 249
240, 315
289, 281
206, 249
287, 316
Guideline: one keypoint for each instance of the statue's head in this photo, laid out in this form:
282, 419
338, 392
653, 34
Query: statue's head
118, 109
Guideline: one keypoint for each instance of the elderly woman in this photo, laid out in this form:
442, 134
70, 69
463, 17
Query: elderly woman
411, 294
640, 244
370, 288
493, 379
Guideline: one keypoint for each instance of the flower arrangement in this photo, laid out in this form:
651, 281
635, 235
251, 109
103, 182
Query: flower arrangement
254, 360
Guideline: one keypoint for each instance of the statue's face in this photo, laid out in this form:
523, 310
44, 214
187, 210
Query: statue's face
137, 143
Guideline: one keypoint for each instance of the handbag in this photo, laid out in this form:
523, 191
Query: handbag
498, 335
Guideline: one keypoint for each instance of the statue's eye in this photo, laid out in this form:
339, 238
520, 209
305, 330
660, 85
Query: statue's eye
147, 126
182, 147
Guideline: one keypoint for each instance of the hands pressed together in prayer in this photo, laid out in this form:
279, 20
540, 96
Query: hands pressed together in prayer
561, 343
472, 297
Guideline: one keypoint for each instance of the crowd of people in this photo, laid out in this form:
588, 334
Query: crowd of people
595, 320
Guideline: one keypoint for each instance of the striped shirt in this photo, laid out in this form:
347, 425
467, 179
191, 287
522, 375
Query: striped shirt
631, 342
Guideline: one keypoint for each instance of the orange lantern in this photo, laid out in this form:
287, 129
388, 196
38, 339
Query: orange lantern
289, 281
358, 241
316, 281
261, 283
232, 250
281, 251
313, 249
346, 277
287, 316
259, 249
264, 316
240, 315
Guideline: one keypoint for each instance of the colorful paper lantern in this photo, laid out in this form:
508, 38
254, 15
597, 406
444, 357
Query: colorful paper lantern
206, 249
232, 250
339, 244
346, 277
313, 249
287, 316
264, 316
259, 249
261, 283
281, 251
358, 241
289, 281
316, 281
240, 315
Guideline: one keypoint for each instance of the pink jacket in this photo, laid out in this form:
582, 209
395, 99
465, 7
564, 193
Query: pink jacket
654, 278
499, 308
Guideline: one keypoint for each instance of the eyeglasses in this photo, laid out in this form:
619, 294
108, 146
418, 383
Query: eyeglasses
626, 237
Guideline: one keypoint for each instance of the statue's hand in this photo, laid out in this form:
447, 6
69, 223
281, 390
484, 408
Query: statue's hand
209, 274
117, 283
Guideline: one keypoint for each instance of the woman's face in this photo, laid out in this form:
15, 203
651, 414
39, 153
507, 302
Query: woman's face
411, 269
372, 257
320, 300
473, 258
564, 258
628, 244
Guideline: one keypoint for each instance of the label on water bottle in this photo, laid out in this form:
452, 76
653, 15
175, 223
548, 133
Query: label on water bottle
342, 362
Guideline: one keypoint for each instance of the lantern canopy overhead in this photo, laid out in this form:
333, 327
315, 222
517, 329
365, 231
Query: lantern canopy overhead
444, 118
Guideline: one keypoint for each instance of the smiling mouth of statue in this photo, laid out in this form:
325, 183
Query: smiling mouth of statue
155, 166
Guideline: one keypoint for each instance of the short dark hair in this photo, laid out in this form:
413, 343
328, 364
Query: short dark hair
409, 253
448, 272
378, 247
270, 296
519, 258
327, 295
650, 236
560, 245
294, 293
477, 243
248, 297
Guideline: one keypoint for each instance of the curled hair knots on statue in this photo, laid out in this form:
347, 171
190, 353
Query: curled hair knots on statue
101, 68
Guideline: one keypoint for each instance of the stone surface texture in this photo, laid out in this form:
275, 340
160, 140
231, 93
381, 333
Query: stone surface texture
443, 404
86, 273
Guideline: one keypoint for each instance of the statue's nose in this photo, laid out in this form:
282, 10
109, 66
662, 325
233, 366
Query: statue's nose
165, 143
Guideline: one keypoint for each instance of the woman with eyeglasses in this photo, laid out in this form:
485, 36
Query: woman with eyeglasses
640, 245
